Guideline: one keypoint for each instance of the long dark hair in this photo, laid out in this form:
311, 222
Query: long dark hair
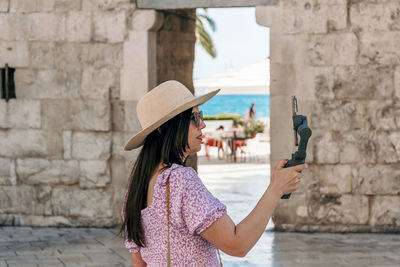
167, 145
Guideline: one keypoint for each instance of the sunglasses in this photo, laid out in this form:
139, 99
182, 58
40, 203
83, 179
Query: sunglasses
196, 117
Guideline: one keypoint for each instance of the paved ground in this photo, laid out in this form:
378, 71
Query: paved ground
239, 186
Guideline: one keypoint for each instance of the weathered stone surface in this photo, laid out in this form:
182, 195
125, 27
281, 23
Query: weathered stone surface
58, 5
377, 180
94, 173
370, 16
22, 5
67, 144
131, 120
8, 199
293, 212
90, 145
340, 116
7, 172
333, 49
105, 5
109, 27
389, 147
323, 79
379, 48
334, 179
79, 26
14, 26
358, 146
91, 115
43, 171
384, 114
15, 54
3, 114
68, 56
118, 115
100, 55
340, 209
47, 27
385, 211
40, 221
24, 113
326, 149
30, 143
397, 83
34, 200
363, 82
4, 5
47, 84
41, 55
98, 83
52, 118
118, 139
88, 203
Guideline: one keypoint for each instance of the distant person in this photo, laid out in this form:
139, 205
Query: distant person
252, 113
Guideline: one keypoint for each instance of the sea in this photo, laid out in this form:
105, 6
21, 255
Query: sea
238, 104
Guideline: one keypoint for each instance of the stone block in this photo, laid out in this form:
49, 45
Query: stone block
379, 48
44, 221
131, 120
334, 179
339, 116
4, 26
91, 115
34, 200
16, 25
106, 5
91, 145
388, 147
58, 5
109, 27
338, 209
373, 17
41, 55
30, 143
323, 80
8, 199
333, 49
118, 115
98, 83
68, 56
363, 82
358, 146
4, 5
7, 172
79, 26
385, 210
47, 84
94, 173
56, 114
43, 171
384, 114
14, 53
377, 180
67, 144
118, 143
3, 114
326, 149
24, 113
88, 203
47, 27
100, 55
294, 211
23, 6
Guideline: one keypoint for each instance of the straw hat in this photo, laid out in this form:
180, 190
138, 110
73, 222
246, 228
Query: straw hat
161, 104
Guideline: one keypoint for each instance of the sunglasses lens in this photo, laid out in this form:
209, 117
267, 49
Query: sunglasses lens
196, 116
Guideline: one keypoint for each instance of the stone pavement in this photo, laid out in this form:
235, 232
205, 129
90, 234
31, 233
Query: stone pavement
26, 246
238, 186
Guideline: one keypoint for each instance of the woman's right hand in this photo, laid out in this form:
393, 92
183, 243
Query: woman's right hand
286, 180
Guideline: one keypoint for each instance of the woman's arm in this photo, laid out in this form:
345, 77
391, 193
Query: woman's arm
237, 240
137, 260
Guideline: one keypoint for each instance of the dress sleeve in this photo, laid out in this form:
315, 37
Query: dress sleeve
200, 208
130, 245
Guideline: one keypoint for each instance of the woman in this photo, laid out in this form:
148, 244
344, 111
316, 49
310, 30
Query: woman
170, 218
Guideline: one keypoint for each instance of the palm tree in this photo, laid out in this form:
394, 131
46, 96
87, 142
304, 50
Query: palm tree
202, 36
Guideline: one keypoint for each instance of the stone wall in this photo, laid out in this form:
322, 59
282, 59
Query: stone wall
61, 140
342, 59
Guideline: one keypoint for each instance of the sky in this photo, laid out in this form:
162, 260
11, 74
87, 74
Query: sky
238, 39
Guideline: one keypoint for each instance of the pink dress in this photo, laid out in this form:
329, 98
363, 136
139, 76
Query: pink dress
193, 209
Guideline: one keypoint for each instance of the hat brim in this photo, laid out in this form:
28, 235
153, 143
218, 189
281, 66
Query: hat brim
138, 139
